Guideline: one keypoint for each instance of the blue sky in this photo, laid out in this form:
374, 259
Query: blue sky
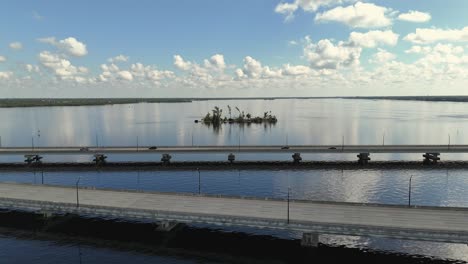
233, 48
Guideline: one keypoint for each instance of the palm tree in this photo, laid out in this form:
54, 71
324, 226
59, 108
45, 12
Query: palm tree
207, 118
237, 108
217, 112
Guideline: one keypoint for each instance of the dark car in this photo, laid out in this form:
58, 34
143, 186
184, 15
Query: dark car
153, 147
84, 149
285, 147
331, 148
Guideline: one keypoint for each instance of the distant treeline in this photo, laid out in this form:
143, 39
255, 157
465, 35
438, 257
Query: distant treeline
432, 98
30, 102
84, 101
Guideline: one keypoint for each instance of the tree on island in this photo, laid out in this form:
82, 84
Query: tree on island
216, 118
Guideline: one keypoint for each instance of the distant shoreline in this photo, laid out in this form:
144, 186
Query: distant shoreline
35, 102
39, 102
435, 98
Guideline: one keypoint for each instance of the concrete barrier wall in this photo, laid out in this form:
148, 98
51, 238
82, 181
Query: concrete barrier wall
150, 215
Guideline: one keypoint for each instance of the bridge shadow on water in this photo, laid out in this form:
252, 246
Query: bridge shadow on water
203, 244
238, 165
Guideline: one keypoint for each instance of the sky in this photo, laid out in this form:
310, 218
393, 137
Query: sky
226, 48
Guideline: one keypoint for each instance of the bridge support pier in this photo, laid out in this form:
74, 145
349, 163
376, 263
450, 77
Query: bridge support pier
431, 158
310, 239
297, 157
47, 214
167, 226
52, 220
166, 158
99, 159
32, 158
363, 158
231, 157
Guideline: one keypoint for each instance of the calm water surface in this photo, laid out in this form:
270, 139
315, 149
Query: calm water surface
299, 122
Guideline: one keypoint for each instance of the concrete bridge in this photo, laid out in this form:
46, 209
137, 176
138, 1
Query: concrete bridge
443, 224
431, 152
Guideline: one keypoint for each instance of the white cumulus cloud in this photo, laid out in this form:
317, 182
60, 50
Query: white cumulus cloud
147, 72
288, 9
32, 68
373, 38
139, 70
326, 55
443, 56
448, 49
415, 17
119, 58
5, 75
2, 59
216, 62
440, 54
254, 69
418, 49
359, 15
70, 46
432, 35
73, 47
61, 67
208, 73
156, 75
109, 68
181, 64
440, 48
296, 70
125, 75
16, 45
382, 56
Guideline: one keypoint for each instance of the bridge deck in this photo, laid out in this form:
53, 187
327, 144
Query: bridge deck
243, 148
424, 223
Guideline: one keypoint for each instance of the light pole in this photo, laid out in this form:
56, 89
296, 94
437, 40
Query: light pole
79, 252
42, 177
409, 191
77, 197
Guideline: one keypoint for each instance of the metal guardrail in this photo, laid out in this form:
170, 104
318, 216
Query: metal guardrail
207, 195
236, 148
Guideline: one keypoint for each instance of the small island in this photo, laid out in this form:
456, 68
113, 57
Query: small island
216, 117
